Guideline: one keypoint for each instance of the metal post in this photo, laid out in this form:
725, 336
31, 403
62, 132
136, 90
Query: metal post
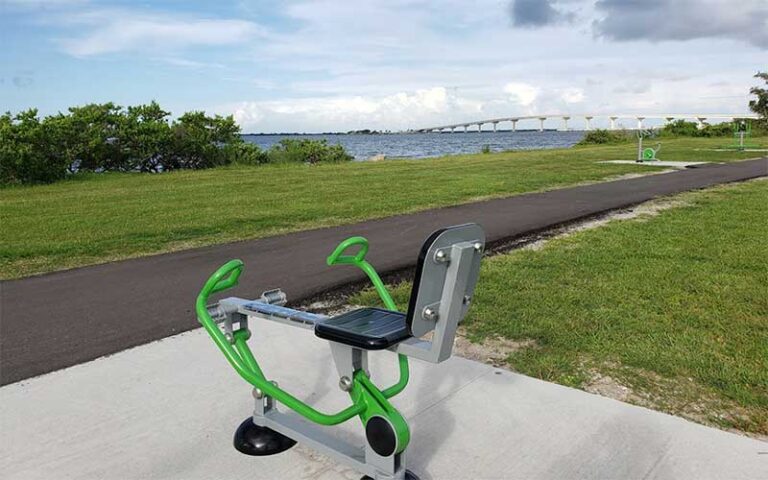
514, 125
541, 123
587, 122
495, 124
565, 123
613, 122
640, 122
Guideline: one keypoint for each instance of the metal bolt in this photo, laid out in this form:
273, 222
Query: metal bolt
229, 337
478, 247
345, 383
440, 256
430, 314
258, 394
467, 299
274, 382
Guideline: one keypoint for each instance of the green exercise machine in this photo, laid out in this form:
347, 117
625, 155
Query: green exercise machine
646, 154
446, 273
742, 133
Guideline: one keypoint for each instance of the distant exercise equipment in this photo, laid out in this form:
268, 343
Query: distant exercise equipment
446, 273
646, 154
742, 132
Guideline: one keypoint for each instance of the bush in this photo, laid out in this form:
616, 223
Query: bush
27, 152
682, 128
244, 153
106, 137
604, 137
290, 150
485, 149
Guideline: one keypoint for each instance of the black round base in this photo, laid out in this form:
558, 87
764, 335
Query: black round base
252, 439
409, 475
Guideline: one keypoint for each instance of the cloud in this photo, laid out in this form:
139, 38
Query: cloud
110, 31
658, 20
521, 93
572, 95
536, 13
400, 111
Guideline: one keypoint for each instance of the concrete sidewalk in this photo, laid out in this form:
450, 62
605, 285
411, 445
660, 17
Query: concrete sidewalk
64, 318
169, 409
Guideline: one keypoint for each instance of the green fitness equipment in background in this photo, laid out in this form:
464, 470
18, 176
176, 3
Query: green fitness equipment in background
446, 274
646, 154
742, 132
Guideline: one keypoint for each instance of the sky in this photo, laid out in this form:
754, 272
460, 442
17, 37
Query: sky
316, 66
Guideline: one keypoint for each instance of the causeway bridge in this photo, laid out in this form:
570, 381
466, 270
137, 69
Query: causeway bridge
477, 125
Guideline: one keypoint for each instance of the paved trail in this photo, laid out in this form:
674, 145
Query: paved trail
60, 319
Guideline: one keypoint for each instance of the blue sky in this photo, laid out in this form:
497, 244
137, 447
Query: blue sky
339, 65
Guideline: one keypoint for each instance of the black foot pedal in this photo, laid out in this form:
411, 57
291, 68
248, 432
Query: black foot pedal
252, 439
409, 475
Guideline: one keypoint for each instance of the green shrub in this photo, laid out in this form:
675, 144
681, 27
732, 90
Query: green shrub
27, 152
603, 137
303, 150
106, 137
485, 149
244, 153
724, 129
682, 128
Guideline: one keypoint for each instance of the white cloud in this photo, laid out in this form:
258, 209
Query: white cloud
572, 95
522, 93
111, 31
399, 111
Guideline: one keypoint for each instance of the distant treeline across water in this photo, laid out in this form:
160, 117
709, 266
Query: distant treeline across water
421, 145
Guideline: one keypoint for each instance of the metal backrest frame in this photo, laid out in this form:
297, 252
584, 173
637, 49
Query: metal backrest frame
446, 275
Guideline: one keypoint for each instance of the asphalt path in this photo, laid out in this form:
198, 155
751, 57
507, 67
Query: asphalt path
56, 320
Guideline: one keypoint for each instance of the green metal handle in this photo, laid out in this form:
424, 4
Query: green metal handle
336, 258
358, 260
224, 278
243, 361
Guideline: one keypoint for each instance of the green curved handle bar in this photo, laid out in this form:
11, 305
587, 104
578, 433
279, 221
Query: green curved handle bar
336, 258
241, 358
358, 260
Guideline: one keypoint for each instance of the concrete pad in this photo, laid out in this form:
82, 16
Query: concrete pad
168, 410
657, 163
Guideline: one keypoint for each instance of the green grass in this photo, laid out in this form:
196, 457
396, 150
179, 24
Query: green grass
675, 307
97, 218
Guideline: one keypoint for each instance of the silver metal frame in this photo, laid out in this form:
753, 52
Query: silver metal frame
448, 280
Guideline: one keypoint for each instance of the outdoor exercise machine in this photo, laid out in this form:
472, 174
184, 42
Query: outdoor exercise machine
446, 273
646, 154
742, 132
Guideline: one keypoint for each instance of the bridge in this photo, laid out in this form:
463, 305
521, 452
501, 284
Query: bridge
700, 118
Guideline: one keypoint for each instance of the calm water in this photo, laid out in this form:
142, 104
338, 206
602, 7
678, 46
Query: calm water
420, 145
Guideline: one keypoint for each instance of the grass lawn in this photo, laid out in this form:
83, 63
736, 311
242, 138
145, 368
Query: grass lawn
668, 311
102, 217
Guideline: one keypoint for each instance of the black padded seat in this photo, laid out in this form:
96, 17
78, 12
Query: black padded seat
367, 328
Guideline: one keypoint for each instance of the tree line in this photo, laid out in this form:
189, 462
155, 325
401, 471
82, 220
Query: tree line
110, 138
